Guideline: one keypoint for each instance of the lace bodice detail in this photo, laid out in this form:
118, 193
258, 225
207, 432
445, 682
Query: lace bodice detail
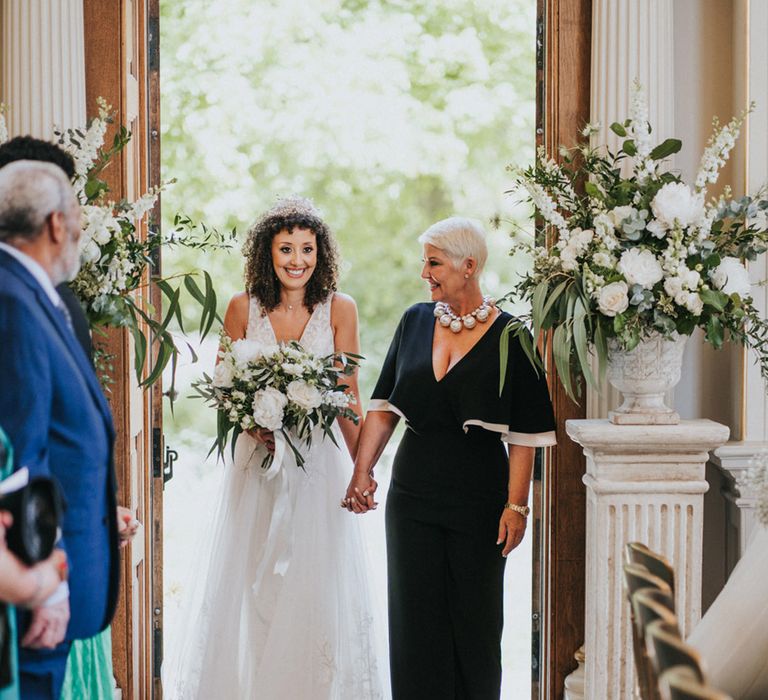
316, 338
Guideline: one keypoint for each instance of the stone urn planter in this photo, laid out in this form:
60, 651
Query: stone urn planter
643, 375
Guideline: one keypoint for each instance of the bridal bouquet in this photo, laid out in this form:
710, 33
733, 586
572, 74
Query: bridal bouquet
639, 253
282, 388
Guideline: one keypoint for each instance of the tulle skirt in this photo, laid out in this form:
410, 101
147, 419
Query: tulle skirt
283, 610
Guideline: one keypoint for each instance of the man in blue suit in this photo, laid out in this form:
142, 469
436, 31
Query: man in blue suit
53, 410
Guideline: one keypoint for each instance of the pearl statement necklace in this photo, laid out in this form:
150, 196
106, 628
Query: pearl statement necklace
450, 319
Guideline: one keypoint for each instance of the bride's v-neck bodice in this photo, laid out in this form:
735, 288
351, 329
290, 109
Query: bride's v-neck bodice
317, 336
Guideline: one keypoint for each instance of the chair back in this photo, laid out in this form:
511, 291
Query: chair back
651, 604
638, 553
680, 683
637, 577
667, 649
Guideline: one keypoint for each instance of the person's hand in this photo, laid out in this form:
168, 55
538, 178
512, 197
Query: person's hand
511, 530
127, 526
264, 436
360, 493
48, 626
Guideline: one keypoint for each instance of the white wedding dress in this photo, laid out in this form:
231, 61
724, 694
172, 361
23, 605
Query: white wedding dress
284, 612
733, 636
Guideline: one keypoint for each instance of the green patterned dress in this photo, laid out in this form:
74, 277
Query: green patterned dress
10, 692
89, 669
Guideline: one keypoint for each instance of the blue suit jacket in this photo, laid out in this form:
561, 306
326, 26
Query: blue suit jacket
59, 423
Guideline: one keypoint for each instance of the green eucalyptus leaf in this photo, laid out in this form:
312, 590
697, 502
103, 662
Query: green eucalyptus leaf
618, 129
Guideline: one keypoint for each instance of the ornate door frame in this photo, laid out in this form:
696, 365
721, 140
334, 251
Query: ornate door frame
122, 65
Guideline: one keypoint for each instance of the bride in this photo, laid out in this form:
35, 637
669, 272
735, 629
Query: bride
285, 611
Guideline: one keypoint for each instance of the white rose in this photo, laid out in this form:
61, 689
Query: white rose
223, 375
640, 267
613, 298
304, 395
245, 351
730, 276
675, 202
268, 408
618, 214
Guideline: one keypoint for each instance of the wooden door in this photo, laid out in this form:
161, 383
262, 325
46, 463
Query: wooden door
563, 91
116, 69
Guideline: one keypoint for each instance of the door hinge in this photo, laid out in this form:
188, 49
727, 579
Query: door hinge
170, 457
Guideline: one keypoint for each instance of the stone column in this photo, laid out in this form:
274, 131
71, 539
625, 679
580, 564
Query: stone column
42, 65
644, 483
630, 39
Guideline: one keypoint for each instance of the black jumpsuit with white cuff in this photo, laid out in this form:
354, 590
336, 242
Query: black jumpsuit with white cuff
449, 485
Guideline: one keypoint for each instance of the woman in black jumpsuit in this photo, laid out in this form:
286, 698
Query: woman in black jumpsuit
446, 522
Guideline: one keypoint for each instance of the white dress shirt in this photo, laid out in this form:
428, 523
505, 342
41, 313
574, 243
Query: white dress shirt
36, 270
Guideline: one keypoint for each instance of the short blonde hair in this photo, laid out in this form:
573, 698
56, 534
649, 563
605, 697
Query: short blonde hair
459, 238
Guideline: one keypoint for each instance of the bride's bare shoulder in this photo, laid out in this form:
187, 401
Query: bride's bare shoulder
343, 307
236, 318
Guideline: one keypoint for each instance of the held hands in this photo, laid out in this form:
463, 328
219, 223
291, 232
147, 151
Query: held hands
360, 493
264, 436
511, 530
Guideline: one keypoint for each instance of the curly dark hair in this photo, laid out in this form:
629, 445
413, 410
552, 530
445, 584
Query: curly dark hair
260, 278
30, 148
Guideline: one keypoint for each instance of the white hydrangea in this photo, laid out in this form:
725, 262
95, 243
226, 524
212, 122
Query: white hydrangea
640, 266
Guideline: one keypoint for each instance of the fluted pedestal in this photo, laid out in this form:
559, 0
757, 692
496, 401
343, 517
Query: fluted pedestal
644, 483
42, 65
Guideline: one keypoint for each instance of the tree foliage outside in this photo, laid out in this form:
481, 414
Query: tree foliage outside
390, 115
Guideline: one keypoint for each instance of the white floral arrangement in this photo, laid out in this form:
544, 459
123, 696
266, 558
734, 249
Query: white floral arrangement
281, 388
115, 255
757, 480
630, 256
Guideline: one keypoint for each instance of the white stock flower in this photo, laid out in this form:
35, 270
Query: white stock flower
223, 375
269, 407
339, 399
245, 351
675, 203
89, 251
731, 277
99, 224
568, 259
640, 267
304, 395
613, 298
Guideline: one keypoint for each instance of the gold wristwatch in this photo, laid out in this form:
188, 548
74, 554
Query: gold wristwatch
523, 510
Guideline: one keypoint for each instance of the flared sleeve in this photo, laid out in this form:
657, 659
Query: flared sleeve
384, 394
522, 413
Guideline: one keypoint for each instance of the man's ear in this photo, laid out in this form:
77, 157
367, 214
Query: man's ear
56, 227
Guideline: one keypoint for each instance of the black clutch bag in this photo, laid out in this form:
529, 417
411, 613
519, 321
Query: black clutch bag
37, 512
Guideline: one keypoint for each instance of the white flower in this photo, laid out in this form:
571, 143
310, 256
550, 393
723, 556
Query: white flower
3, 127
269, 407
603, 259
618, 214
693, 303
656, 229
731, 277
89, 251
568, 259
245, 351
293, 369
613, 298
675, 203
99, 224
223, 375
304, 395
339, 399
640, 267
